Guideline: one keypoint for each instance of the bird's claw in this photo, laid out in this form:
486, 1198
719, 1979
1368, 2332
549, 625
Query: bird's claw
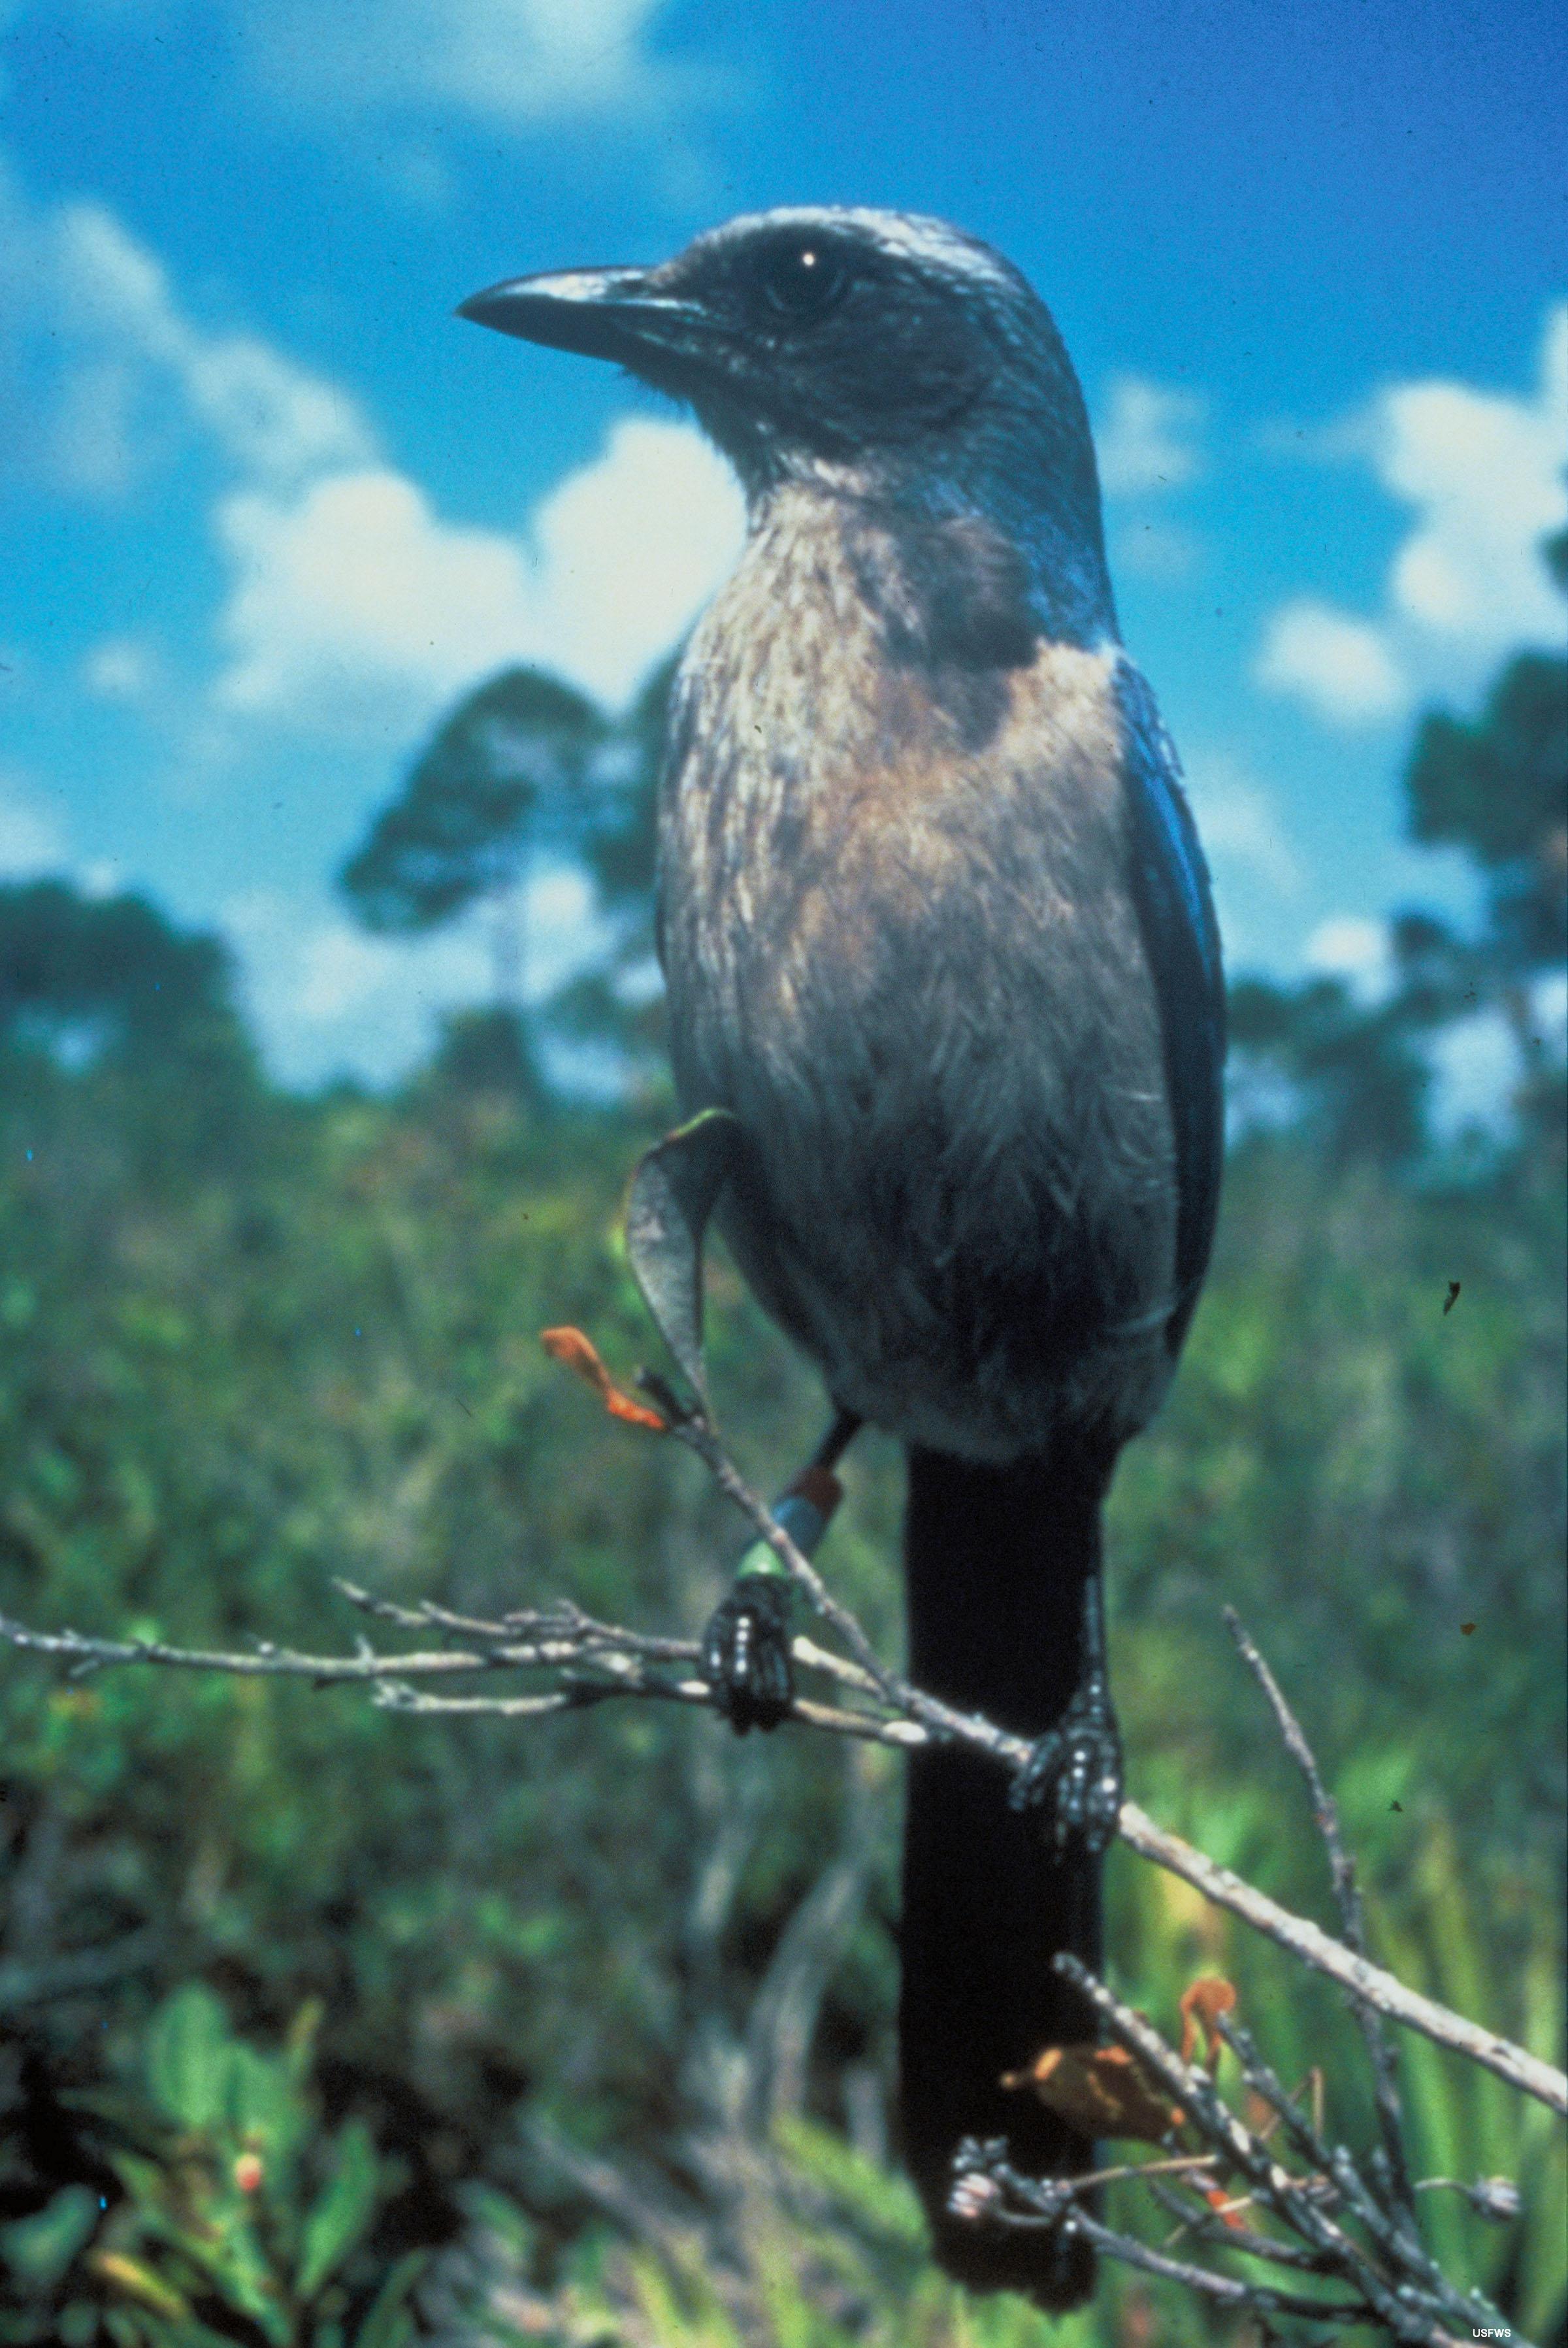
746, 1653
1074, 1770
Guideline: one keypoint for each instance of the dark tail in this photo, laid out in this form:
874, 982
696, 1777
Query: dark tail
997, 1559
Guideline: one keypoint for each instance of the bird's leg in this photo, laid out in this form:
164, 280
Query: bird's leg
1074, 1771
746, 1644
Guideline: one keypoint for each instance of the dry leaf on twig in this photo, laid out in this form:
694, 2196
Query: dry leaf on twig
579, 1354
1209, 1996
1100, 2089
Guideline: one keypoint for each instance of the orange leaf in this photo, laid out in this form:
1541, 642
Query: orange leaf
1210, 1995
577, 1352
1216, 2200
1101, 2089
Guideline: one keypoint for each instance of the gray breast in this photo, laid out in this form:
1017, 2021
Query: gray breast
901, 946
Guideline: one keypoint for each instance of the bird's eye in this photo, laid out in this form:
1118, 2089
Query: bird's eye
801, 281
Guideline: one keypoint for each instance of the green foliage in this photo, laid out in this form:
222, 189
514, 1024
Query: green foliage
1497, 788
1496, 1959
811, 2245
248, 1343
673, 1190
238, 2211
1355, 1077
1555, 555
108, 984
525, 762
828, 2252
816, 2245
510, 760
1363, 1473
106, 973
620, 844
35, 2251
1359, 1083
221, 1385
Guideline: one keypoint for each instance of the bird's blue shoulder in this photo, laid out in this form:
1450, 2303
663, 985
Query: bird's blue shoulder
1181, 939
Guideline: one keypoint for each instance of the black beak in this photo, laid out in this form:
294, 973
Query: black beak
604, 313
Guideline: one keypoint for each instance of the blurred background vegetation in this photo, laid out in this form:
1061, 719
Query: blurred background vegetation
311, 2016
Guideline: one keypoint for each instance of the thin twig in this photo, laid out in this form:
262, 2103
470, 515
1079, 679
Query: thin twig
562, 1622
1367, 1985
1186, 2164
1493, 2198
1381, 2053
1394, 2232
1406, 2313
1209, 2226
1227, 2289
569, 1644
1052, 2203
265, 1661
580, 1694
1314, 1947
1394, 2281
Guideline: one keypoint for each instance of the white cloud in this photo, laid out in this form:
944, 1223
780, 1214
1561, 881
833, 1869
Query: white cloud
352, 608
341, 970
266, 415
355, 608
630, 547
31, 842
1240, 823
1475, 1075
1341, 666
102, 876
1351, 948
1147, 439
520, 62
99, 435
111, 374
325, 997
1483, 475
120, 668
1158, 551
1256, 872
354, 604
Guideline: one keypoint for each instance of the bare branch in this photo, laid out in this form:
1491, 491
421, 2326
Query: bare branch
1494, 2197
1308, 1942
1396, 2234
1209, 2226
1227, 2289
1396, 2281
991, 2191
1352, 1917
591, 1661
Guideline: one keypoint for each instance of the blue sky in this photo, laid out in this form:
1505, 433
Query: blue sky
268, 508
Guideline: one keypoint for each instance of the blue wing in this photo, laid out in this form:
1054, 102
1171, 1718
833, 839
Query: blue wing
1182, 941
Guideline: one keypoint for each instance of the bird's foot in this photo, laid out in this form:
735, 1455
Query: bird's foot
746, 1653
746, 1646
1074, 1770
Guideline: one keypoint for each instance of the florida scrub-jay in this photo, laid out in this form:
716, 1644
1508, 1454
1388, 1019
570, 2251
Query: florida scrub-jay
937, 929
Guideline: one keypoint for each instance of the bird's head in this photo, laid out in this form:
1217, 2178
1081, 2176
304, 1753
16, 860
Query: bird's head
856, 346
